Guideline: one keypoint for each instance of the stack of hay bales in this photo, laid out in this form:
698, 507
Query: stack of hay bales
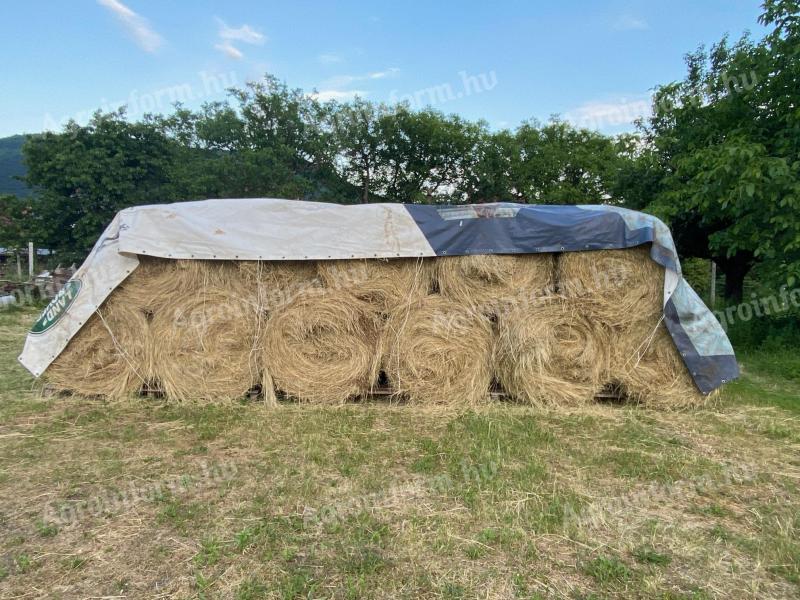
188, 328
442, 331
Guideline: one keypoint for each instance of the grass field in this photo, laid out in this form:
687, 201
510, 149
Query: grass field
147, 499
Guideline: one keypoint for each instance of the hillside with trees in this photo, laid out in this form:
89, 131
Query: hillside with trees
12, 166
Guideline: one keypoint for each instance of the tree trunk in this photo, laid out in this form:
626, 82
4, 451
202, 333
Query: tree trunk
365, 190
735, 268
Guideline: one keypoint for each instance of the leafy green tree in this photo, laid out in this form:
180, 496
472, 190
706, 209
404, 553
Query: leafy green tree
560, 164
359, 140
488, 176
86, 174
274, 142
426, 156
726, 141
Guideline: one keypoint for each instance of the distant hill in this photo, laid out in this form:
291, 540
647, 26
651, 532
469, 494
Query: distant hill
11, 166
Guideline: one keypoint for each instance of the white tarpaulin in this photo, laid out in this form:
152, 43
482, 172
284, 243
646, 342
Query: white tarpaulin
268, 229
102, 271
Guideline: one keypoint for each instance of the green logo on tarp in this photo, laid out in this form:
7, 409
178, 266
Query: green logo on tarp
58, 306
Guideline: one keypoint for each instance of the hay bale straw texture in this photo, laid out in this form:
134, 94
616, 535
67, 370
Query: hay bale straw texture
323, 347
157, 283
109, 355
278, 282
551, 352
206, 344
624, 286
437, 352
648, 368
490, 282
385, 283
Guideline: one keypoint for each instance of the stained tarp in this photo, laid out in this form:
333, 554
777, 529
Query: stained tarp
272, 229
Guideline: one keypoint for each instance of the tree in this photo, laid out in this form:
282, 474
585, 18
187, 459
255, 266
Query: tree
359, 140
559, 164
426, 156
18, 224
727, 141
86, 174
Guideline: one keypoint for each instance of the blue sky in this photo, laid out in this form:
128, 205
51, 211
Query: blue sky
593, 63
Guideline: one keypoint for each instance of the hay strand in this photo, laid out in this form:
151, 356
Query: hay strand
108, 356
278, 282
648, 369
157, 283
322, 347
437, 352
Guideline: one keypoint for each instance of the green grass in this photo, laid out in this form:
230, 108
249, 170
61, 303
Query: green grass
237, 501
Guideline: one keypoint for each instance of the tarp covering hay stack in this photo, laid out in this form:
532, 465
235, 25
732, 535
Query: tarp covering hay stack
552, 304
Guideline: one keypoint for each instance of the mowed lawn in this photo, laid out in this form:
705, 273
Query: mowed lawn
147, 499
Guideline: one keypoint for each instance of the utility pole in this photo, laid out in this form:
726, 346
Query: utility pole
30, 260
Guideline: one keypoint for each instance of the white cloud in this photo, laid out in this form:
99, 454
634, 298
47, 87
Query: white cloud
329, 58
244, 34
630, 23
616, 114
391, 72
342, 95
334, 87
229, 50
137, 26
344, 80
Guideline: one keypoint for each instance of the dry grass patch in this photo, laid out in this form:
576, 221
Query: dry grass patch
374, 501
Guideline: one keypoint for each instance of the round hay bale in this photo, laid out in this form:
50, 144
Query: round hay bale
157, 283
437, 352
551, 352
278, 282
490, 282
323, 347
624, 286
108, 356
150, 283
385, 283
648, 369
207, 345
